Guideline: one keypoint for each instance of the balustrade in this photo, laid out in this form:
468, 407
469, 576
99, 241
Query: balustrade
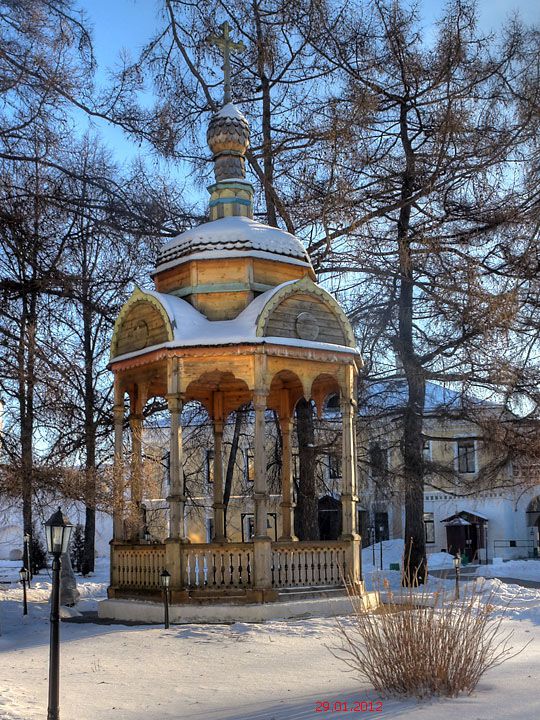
228, 566
308, 564
215, 567
137, 566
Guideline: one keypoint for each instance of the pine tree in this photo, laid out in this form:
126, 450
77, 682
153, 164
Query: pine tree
77, 549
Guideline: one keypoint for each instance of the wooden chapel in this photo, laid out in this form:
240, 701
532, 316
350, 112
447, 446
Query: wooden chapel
236, 317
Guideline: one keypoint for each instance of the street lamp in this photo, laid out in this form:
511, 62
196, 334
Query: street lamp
381, 531
24, 577
457, 565
58, 533
165, 581
27, 562
372, 539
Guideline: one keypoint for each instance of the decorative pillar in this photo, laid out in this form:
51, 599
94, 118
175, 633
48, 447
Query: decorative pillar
218, 505
135, 520
118, 470
287, 505
349, 492
136, 426
176, 497
262, 544
348, 472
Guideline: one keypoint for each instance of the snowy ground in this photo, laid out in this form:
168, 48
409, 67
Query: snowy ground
270, 671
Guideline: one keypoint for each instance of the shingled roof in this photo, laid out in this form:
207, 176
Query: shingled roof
233, 236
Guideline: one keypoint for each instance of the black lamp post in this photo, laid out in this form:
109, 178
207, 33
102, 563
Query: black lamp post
27, 561
372, 538
58, 533
24, 576
165, 581
457, 565
381, 530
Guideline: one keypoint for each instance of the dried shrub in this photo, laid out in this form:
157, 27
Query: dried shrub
421, 644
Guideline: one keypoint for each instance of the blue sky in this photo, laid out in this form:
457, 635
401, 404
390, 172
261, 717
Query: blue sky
126, 26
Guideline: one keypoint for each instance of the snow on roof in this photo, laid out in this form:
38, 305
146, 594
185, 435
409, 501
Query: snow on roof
391, 395
231, 111
239, 235
192, 329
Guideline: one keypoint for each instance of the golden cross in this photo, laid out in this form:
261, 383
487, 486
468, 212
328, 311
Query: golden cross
226, 45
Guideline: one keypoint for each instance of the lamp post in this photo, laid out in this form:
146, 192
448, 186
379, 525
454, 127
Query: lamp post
372, 538
165, 581
27, 562
381, 530
58, 533
457, 565
24, 576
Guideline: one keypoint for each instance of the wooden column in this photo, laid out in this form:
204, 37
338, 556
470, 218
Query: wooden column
287, 504
348, 479
218, 506
118, 471
136, 490
176, 497
262, 544
349, 497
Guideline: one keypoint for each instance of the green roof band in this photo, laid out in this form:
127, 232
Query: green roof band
223, 201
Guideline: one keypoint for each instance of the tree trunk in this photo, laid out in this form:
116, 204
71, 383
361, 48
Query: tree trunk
412, 440
238, 423
89, 439
306, 519
268, 158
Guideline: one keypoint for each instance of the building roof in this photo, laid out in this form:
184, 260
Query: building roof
390, 395
232, 237
190, 328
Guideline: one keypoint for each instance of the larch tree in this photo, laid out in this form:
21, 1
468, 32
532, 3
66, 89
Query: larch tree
428, 181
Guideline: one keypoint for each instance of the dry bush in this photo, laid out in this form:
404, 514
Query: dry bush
423, 644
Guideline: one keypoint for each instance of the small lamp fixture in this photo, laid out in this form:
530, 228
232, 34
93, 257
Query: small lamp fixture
165, 581
24, 576
457, 565
58, 533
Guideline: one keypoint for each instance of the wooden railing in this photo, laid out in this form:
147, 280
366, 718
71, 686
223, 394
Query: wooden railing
137, 567
225, 567
218, 566
308, 564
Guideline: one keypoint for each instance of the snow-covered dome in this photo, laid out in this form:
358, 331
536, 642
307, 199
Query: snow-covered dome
232, 237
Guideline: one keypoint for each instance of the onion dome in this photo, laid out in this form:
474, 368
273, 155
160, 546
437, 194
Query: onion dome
228, 139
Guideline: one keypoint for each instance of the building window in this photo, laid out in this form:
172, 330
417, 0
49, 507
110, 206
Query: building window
466, 460
210, 467
334, 466
426, 450
429, 527
378, 460
209, 530
249, 466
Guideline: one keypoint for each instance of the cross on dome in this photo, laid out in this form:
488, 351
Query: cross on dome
226, 45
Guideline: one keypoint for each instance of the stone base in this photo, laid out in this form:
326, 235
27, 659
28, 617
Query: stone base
152, 612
